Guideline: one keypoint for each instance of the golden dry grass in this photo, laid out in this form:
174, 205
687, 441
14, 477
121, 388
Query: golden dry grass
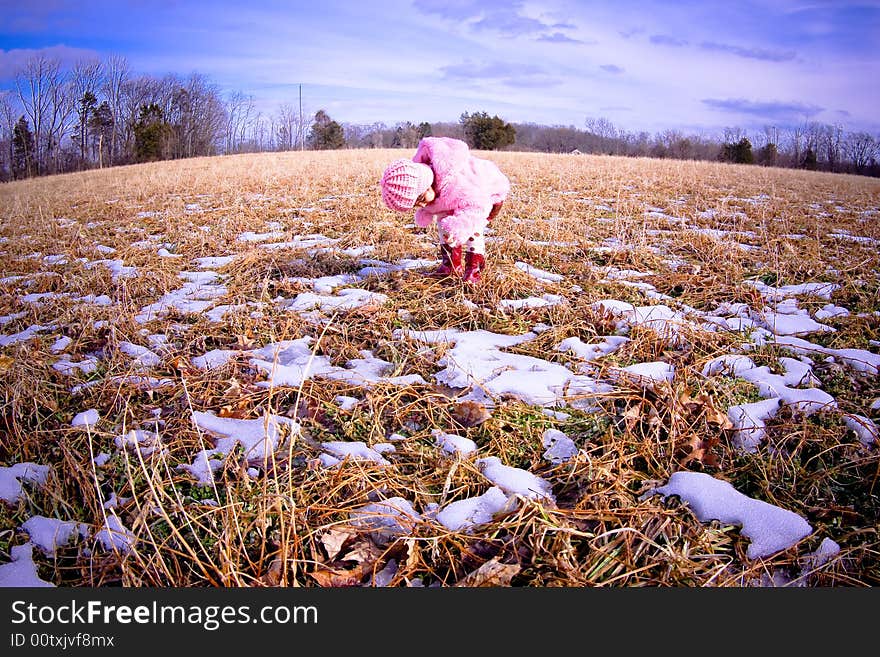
277, 528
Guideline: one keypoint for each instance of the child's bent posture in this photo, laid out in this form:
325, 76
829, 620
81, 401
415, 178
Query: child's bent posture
443, 181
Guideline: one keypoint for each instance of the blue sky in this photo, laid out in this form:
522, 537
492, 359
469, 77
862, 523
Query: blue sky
694, 65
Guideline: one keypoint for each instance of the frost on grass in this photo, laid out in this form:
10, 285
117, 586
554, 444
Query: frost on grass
770, 528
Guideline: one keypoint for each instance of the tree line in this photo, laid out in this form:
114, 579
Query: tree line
98, 114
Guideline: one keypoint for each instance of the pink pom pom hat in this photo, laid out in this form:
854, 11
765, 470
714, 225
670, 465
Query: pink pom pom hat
403, 182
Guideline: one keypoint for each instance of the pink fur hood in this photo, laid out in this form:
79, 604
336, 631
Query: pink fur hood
467, 187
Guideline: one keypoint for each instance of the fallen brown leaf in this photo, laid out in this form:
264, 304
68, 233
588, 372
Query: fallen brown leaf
328, 577
470, 413
333, 541
491, 573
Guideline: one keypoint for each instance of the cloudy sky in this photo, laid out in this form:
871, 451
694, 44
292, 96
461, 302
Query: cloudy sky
693, 65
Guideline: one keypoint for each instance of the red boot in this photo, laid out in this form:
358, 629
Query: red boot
474, 263
450, 262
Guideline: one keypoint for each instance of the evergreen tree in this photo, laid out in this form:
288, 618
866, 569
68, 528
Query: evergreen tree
101, 130
810, 161
325, 133
84, 108
739, 152
768, 155
151, 134
425, 130
485, 133
22, 150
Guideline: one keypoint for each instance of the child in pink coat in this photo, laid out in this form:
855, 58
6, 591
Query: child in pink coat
444, 182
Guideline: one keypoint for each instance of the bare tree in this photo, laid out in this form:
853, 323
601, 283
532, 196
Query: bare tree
8, 114
85, 80
287, 127
44, 95
607, 133
831, 140
861, 149
115, 80
197, 117
239, 108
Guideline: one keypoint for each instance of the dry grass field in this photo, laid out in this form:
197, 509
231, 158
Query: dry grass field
276, 415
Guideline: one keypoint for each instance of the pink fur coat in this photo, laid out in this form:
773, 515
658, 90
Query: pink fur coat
467, 187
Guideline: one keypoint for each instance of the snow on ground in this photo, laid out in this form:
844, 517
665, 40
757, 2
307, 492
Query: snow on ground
770, 528
12, 479
476, 364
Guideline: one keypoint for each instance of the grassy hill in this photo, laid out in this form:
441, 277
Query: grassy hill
271, 378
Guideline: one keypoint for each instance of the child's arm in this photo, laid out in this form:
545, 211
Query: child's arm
424, 218
494, 211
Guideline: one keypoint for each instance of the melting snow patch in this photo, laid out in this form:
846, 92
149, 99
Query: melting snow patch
865, 428
788, 324
86, 419
11, 479
347, 403
357, 450
823, 290
386, 520
214, 262
49, 534
769, 528
21, 571
825, 552
22, 336
215, 358
115, 536
250, 236
540, 274
117, 268
463, 515
452, 443
830, 310
559, 447
67, 367
143, 357
543, 301
196, 296
515, 481
749, 422
647, 374
138, 441
259, 438
477, 360
346, 299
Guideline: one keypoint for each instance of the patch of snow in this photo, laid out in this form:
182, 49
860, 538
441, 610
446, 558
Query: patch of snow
770, 528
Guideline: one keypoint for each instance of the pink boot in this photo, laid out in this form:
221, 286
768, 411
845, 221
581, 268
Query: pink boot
474, 263
450, 262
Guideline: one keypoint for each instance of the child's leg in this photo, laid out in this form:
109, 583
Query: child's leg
450, 256
475, 257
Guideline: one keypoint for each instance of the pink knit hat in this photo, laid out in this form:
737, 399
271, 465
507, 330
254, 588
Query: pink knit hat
403, 182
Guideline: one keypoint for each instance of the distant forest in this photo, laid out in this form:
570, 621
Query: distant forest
99, 114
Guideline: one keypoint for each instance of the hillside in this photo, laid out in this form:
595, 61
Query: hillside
233, 372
